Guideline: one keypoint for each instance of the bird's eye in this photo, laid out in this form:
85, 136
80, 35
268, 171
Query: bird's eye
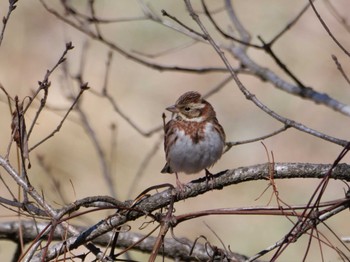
187, 108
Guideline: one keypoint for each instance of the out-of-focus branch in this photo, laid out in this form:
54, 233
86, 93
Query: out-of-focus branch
341, 19
323, 23
173, 248
129, 55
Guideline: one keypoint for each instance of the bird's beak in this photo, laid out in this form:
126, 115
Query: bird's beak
172, 109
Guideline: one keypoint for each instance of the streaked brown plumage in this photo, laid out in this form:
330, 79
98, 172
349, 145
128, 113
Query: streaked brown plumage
194, 139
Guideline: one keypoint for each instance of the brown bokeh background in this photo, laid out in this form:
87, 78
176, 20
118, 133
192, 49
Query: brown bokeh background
34, 40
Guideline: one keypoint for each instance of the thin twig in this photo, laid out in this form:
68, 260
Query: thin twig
290, 24
94, 18
343, 21
340, 69
226, 35
268, 49
44, 85
327, 29
5, 19
253, 98
58, 128
129, 55
165, 13
244, 34
229, 145
101, 156
171, 50
92, 134
144, 163
218, 87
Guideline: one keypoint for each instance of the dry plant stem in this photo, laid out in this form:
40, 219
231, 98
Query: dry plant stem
195, 188
252, 97
6, 18
217, 236
159, 241
341, 254
310, 216
309, 225
139, 241
290, 211
166, 223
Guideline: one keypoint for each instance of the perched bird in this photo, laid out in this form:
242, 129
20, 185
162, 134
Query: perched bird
194, 140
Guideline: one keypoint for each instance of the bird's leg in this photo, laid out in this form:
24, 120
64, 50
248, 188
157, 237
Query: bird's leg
180, 186
209, 178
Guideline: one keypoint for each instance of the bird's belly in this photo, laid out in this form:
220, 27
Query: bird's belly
190, 157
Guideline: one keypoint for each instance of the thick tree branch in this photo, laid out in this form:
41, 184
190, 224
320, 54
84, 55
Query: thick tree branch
198, 187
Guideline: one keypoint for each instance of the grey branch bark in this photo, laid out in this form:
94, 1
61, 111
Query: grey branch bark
193, 189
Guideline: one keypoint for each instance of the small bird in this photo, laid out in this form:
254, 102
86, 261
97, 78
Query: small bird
194, 140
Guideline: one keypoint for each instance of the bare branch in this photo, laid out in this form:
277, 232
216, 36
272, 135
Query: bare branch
198, 187
341, 19
253, 98
229, 145
323, 23
5, 19
58, 128
340, 68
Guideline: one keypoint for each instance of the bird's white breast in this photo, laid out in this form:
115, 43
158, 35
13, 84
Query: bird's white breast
189, 157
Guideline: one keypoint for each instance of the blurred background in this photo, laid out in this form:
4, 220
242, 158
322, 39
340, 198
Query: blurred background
34, 40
